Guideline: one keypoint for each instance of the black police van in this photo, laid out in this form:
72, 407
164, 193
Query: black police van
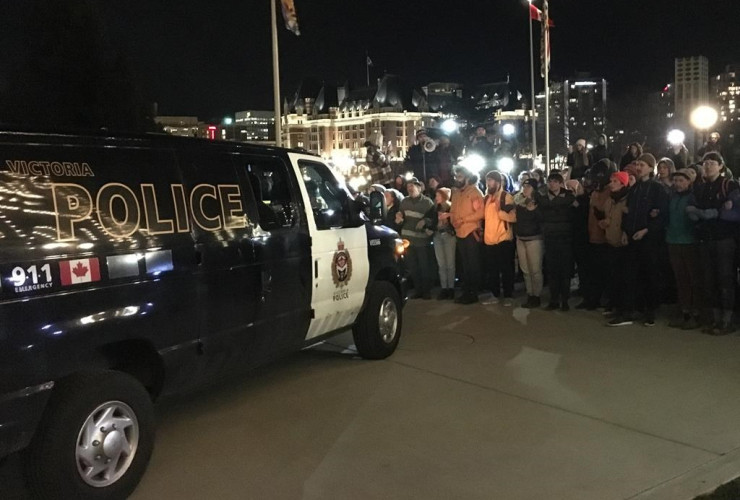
133, 267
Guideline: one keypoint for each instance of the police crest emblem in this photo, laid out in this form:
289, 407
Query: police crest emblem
341, 266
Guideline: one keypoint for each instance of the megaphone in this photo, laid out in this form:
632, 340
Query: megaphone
430, 146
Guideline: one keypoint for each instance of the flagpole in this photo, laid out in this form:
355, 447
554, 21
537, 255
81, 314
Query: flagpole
276, 75
546, 22
367, 66
533, 105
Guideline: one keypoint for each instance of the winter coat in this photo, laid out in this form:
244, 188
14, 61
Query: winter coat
423, 164
596, 213
710, 200
557, 215
579, 163
418, 216
600, 152
444, 226
614, 210
467, 210
644, 198
500, 215
528, 222
680, 159
680, 228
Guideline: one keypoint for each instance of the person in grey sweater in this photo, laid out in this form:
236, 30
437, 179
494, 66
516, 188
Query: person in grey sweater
418, 219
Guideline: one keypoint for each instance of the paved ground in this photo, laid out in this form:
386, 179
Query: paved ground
479, 403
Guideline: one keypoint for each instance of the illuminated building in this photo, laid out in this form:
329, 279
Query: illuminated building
726, 93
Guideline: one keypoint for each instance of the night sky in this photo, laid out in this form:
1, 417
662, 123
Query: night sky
211, 58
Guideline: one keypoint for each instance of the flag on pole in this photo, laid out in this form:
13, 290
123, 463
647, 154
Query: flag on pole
369, 61
536, 15
545, 44
290, 16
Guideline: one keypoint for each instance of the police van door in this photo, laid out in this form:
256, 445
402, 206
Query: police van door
338, 249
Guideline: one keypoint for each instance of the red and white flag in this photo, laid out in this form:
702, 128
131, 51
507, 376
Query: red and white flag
536, 15
545, 42
74, 272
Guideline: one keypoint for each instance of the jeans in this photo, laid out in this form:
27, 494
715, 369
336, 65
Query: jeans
591, 274
500, 268
419, 260
531, 254
470, 257
718, 264
559, 258
685, 264
444, 250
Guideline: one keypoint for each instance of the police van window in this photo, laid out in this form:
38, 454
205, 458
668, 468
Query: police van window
271, 185
328, 198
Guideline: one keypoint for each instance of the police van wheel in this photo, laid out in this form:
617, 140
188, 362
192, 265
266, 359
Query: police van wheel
378, 329
94, 441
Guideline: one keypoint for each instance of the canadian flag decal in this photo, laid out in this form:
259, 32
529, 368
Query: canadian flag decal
74, 272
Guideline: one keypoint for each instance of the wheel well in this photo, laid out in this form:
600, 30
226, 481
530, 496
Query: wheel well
137, 358
390, 275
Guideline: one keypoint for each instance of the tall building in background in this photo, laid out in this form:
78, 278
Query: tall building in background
255, 126
725, 91
584, 101
184, 126
558, 141
692, 85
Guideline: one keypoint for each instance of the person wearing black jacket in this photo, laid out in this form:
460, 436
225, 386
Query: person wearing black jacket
632, 154
557, 216
717, 244
644, 225
393, 199
530, 244
601, 150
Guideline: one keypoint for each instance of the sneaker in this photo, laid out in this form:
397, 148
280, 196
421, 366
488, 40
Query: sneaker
608, 311
451, 294
620, 321
507, 303
552, 306
491, 302
528, 304
565, 307
467, 299
536, 302
443, 295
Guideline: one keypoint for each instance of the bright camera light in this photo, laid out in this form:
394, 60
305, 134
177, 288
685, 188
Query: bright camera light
409, 176
506, 165
474, 163
357, 182
704, 117
450, 126
676, 137
228, 120
509, 129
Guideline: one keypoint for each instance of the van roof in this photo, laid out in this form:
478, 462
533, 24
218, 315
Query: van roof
132, 139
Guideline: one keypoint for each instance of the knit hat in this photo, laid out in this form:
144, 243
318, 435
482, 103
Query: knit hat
582, 142
623, 177
649, 159
681, 173
413, 180
531, 182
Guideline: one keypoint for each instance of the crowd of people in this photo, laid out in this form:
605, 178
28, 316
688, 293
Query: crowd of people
638, 234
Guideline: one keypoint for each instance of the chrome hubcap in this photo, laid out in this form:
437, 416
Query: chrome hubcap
388, 320
107, 443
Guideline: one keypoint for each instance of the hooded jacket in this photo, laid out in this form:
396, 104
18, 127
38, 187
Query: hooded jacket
600, 152
614, 210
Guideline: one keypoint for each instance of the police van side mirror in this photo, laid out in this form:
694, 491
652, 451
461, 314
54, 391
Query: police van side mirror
378, 210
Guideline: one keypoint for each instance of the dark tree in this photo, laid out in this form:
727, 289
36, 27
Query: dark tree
68, 77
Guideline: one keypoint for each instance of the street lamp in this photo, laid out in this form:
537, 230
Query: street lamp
506, 165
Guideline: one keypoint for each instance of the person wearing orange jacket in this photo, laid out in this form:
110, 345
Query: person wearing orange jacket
466, 216
498, 236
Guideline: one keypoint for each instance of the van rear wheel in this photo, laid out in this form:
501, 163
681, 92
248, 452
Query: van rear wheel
378, 329
94, 441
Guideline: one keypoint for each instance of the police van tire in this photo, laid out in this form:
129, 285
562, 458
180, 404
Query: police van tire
52, 463
378, 328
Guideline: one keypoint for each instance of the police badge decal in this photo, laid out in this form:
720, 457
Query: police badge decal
341, 266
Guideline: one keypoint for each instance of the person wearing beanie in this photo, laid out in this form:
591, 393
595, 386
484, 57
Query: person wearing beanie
666, 169
717, 245
417, 218
498, 236
579, 160
466, 216
684, 252
644, 225
445, 244
557, 219
618, 310
530, 243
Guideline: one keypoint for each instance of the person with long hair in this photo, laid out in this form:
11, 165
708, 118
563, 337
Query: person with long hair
444, 245
619, 310
530, 241
633, 153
